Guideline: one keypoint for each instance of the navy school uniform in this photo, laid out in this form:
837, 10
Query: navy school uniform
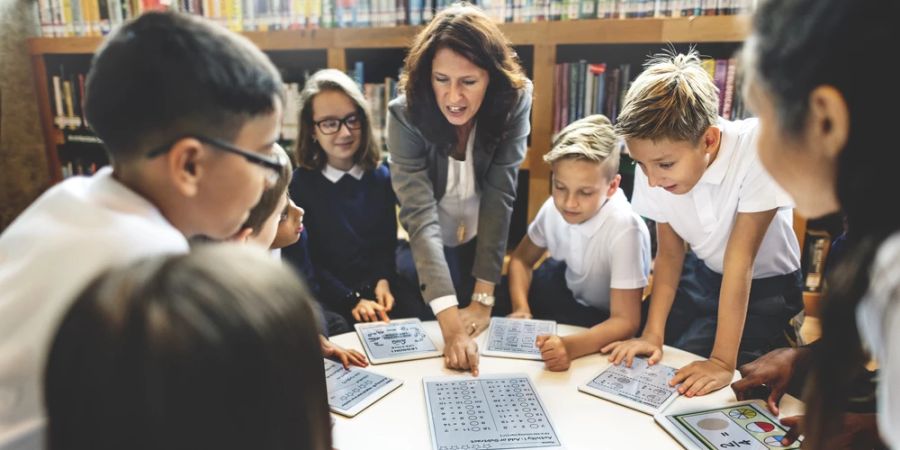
352, 227
297, 256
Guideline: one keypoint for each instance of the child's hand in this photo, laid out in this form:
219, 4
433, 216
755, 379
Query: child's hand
554, 352
346, 357
369, 311
383, 295
773, 370
702, 377
626, 350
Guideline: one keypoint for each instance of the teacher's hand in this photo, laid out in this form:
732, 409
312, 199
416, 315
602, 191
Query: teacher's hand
460, 350
475, 318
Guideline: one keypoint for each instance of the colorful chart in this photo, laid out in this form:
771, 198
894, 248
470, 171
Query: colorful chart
760, 427
742, 413
745, 426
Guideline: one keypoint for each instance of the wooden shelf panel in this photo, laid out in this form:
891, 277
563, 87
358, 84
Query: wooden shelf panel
292, 39
594, 31
41, 46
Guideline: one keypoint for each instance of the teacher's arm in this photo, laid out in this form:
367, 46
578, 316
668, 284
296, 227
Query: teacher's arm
419, 216
498, 193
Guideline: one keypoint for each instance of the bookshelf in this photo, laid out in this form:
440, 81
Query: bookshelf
541, 46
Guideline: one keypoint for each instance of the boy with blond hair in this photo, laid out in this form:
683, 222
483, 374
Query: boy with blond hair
599, 248
734, 295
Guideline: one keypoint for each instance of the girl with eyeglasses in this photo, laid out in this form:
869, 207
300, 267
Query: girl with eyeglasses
350, 206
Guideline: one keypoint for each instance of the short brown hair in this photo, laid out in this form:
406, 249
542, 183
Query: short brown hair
674, 98
589, 139
468, 31
267, 203
309, 153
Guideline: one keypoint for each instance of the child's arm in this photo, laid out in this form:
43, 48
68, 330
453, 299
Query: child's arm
703, 377
521, 267
623, 322
666, 274
345, 356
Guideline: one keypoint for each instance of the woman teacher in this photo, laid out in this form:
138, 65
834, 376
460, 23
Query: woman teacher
457, 136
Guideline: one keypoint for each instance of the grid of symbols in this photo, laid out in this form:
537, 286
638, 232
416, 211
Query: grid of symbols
346, 388
641, 383
517, 335
396, 339
498, 413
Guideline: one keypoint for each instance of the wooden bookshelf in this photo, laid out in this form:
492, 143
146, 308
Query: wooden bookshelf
545, 37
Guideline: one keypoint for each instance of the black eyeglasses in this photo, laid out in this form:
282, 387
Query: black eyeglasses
274, 164
331, 126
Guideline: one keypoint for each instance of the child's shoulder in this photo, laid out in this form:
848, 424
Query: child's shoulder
621, 213
382, 172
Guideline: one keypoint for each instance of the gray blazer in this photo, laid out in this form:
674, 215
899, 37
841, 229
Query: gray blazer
419, 177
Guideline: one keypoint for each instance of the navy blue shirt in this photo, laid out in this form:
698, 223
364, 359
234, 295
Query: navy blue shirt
352, 227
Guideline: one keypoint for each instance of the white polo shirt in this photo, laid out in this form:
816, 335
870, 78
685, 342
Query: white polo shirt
69, 235
735, 182
608, 251
878, 321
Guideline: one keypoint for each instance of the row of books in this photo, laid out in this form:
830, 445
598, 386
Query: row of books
584, 88
67, 92
61, 18
378, 95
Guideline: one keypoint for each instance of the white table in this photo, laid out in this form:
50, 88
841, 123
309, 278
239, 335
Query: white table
399, 421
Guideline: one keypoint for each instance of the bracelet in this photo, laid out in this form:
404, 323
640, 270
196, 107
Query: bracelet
352, 298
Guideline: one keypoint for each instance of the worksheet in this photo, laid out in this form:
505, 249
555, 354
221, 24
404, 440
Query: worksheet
487, 412
742, 425
642, 387
353, 390
514, 338
397, 340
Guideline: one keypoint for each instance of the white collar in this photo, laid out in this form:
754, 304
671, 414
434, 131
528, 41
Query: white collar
334, 175
591, 226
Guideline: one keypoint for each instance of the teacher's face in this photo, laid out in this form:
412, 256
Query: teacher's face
459, 86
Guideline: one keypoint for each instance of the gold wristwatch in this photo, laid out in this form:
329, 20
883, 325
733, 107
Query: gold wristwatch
484, 299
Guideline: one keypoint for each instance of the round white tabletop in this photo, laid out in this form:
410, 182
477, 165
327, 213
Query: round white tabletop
399, 420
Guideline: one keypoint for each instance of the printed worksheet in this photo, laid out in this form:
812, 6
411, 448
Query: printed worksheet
488, 412
354, 389
398, 340
746, 425
514, 338
641, 386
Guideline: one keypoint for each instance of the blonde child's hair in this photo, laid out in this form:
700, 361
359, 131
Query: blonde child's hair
270, 197
590, 139
674, 98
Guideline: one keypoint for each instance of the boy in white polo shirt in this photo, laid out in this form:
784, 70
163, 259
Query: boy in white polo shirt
599, 248
734, 295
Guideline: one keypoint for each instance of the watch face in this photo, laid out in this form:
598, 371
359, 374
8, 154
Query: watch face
484, 299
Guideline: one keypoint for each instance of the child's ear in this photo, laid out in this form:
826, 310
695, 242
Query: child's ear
184, 164
711, 139
242, 236
829, 120
613, 185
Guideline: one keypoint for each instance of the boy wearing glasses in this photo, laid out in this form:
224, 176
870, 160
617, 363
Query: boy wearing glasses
188, 113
